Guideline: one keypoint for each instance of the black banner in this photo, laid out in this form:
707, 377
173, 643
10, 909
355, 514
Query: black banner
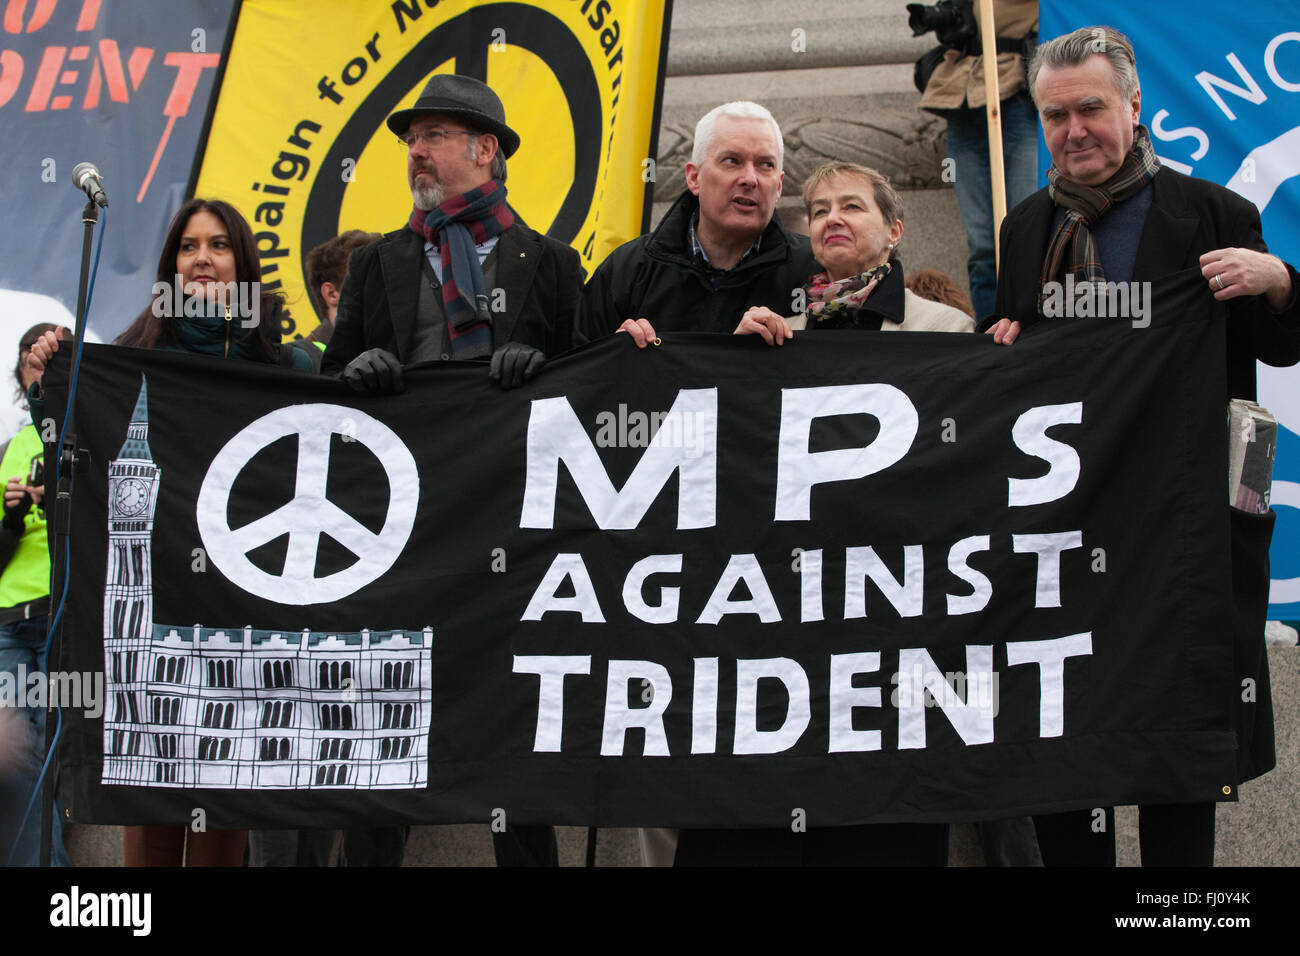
858, 578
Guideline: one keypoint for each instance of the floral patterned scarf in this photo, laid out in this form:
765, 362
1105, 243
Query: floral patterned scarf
841, 298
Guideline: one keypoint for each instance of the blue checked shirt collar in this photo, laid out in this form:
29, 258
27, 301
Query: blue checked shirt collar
700, 255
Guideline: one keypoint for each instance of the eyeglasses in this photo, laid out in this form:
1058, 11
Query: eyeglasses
432, 137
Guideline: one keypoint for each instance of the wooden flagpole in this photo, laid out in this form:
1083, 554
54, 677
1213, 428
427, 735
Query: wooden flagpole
993, 106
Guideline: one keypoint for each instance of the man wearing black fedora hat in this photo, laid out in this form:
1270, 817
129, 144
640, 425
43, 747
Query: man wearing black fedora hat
465, 279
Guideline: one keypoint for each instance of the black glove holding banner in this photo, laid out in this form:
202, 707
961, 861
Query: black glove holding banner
515, 363
374, 372
15, 510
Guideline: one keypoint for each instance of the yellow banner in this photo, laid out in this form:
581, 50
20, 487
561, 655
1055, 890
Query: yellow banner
298, 141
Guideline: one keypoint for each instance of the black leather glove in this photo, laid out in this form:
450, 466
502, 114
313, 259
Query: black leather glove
515, 363
13, 516
374, 372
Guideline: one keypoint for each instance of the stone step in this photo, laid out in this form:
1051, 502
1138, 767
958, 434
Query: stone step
728, 36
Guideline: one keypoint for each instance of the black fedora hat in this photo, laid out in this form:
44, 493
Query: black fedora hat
463, 97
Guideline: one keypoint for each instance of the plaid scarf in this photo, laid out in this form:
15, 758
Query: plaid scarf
456, 227
1072, 249
841, 298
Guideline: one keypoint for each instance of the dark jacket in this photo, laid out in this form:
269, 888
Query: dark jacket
656, 277
541, 278
1188, 218
220, 338
320, 335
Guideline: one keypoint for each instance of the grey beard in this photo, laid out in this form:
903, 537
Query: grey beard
427, 197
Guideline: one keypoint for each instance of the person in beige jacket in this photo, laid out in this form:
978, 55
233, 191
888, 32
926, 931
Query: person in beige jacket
955, 91
855, 221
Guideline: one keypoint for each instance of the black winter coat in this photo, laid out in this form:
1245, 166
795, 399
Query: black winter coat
1188, 218
541, 277
656, 277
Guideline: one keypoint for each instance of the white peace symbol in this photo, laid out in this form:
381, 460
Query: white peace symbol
310, 514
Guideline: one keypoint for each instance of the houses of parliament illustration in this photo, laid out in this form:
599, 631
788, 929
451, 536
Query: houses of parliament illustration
243, 708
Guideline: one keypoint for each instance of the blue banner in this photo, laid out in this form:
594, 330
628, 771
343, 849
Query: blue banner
1221, 96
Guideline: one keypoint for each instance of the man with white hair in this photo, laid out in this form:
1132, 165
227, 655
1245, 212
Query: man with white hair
717, 252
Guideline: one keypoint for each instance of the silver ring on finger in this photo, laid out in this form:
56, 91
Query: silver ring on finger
1218, 282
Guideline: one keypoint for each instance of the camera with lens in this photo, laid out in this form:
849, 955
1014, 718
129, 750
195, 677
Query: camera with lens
953, 22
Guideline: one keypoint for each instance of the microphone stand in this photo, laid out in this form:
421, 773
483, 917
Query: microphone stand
68, 461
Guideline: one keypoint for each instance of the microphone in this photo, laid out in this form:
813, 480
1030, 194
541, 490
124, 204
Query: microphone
86, 178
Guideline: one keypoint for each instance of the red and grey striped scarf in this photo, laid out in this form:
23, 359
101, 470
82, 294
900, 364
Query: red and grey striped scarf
456, 227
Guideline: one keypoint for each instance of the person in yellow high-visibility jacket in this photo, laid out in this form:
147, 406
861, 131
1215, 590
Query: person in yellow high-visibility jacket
24, 608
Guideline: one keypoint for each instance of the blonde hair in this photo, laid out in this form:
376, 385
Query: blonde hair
887, 201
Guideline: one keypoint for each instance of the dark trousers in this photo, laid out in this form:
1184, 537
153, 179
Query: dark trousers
1170, 834
1009, 842
362, 846
526, 846
881, 844
373, 846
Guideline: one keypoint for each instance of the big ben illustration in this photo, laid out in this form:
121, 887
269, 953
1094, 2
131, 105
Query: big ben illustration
241, 707
133, 480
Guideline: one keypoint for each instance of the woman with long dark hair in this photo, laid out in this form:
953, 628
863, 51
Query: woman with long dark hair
208, 300
210, 274
208, 296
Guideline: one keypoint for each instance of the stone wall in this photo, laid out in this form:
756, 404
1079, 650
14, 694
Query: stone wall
848, 96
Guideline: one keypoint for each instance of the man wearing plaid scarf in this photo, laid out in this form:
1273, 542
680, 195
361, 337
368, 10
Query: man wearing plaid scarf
1112, 213
464, 279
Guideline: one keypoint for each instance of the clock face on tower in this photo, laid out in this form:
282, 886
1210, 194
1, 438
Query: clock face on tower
131, 497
